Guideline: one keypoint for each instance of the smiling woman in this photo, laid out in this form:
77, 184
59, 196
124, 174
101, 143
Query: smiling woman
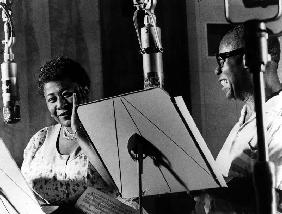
57, 161
58, 96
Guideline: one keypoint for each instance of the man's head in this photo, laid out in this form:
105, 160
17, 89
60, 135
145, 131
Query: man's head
233, 75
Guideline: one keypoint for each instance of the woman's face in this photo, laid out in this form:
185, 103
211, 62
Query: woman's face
58, 96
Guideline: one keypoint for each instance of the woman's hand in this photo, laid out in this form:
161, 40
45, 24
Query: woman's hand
79, 97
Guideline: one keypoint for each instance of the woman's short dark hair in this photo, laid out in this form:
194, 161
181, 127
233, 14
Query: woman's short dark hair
59, 69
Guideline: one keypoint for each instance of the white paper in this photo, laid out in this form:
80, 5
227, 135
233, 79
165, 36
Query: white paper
15, 193
93, 201
6, 207
200, 140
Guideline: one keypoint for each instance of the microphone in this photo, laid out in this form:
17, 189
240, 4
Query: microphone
10, 95
152, 57
138, 144
259, 3
10, 92
150, 43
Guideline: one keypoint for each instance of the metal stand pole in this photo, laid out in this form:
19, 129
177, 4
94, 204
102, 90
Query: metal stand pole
140, 172
256, 60
136, 150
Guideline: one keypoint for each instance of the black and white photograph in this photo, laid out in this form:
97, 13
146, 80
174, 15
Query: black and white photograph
140, 107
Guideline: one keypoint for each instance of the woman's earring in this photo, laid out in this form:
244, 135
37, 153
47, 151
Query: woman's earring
86, 89
245, 62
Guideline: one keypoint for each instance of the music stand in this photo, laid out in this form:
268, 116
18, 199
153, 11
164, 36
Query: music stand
164, 122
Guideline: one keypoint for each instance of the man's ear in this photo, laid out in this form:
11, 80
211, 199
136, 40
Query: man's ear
244, 60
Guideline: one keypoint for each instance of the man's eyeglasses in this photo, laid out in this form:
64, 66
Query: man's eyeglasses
221, 57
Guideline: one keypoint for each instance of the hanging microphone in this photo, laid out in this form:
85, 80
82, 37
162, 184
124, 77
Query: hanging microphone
11, 107
150, 43
259, 3
10, 93
152, 56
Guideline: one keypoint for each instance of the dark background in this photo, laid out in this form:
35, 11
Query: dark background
121, 58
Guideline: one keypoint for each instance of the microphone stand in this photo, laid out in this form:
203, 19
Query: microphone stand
256, 54
256, 60
151, 50
139, 148
136, 151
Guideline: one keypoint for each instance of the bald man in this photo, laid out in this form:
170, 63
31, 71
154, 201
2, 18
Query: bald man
240, 149
239, 152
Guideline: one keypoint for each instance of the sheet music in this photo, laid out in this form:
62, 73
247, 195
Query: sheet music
93, 201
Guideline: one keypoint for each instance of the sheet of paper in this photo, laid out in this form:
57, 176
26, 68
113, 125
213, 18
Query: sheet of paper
15, 192
93, 201
199, 139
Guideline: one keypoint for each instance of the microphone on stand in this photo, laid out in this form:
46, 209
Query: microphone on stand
139, 146
10, 92
256, 36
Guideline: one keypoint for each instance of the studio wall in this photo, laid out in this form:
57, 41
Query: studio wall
45, 29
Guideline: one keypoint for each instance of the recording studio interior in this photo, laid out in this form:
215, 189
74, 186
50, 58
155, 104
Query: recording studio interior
168, 83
